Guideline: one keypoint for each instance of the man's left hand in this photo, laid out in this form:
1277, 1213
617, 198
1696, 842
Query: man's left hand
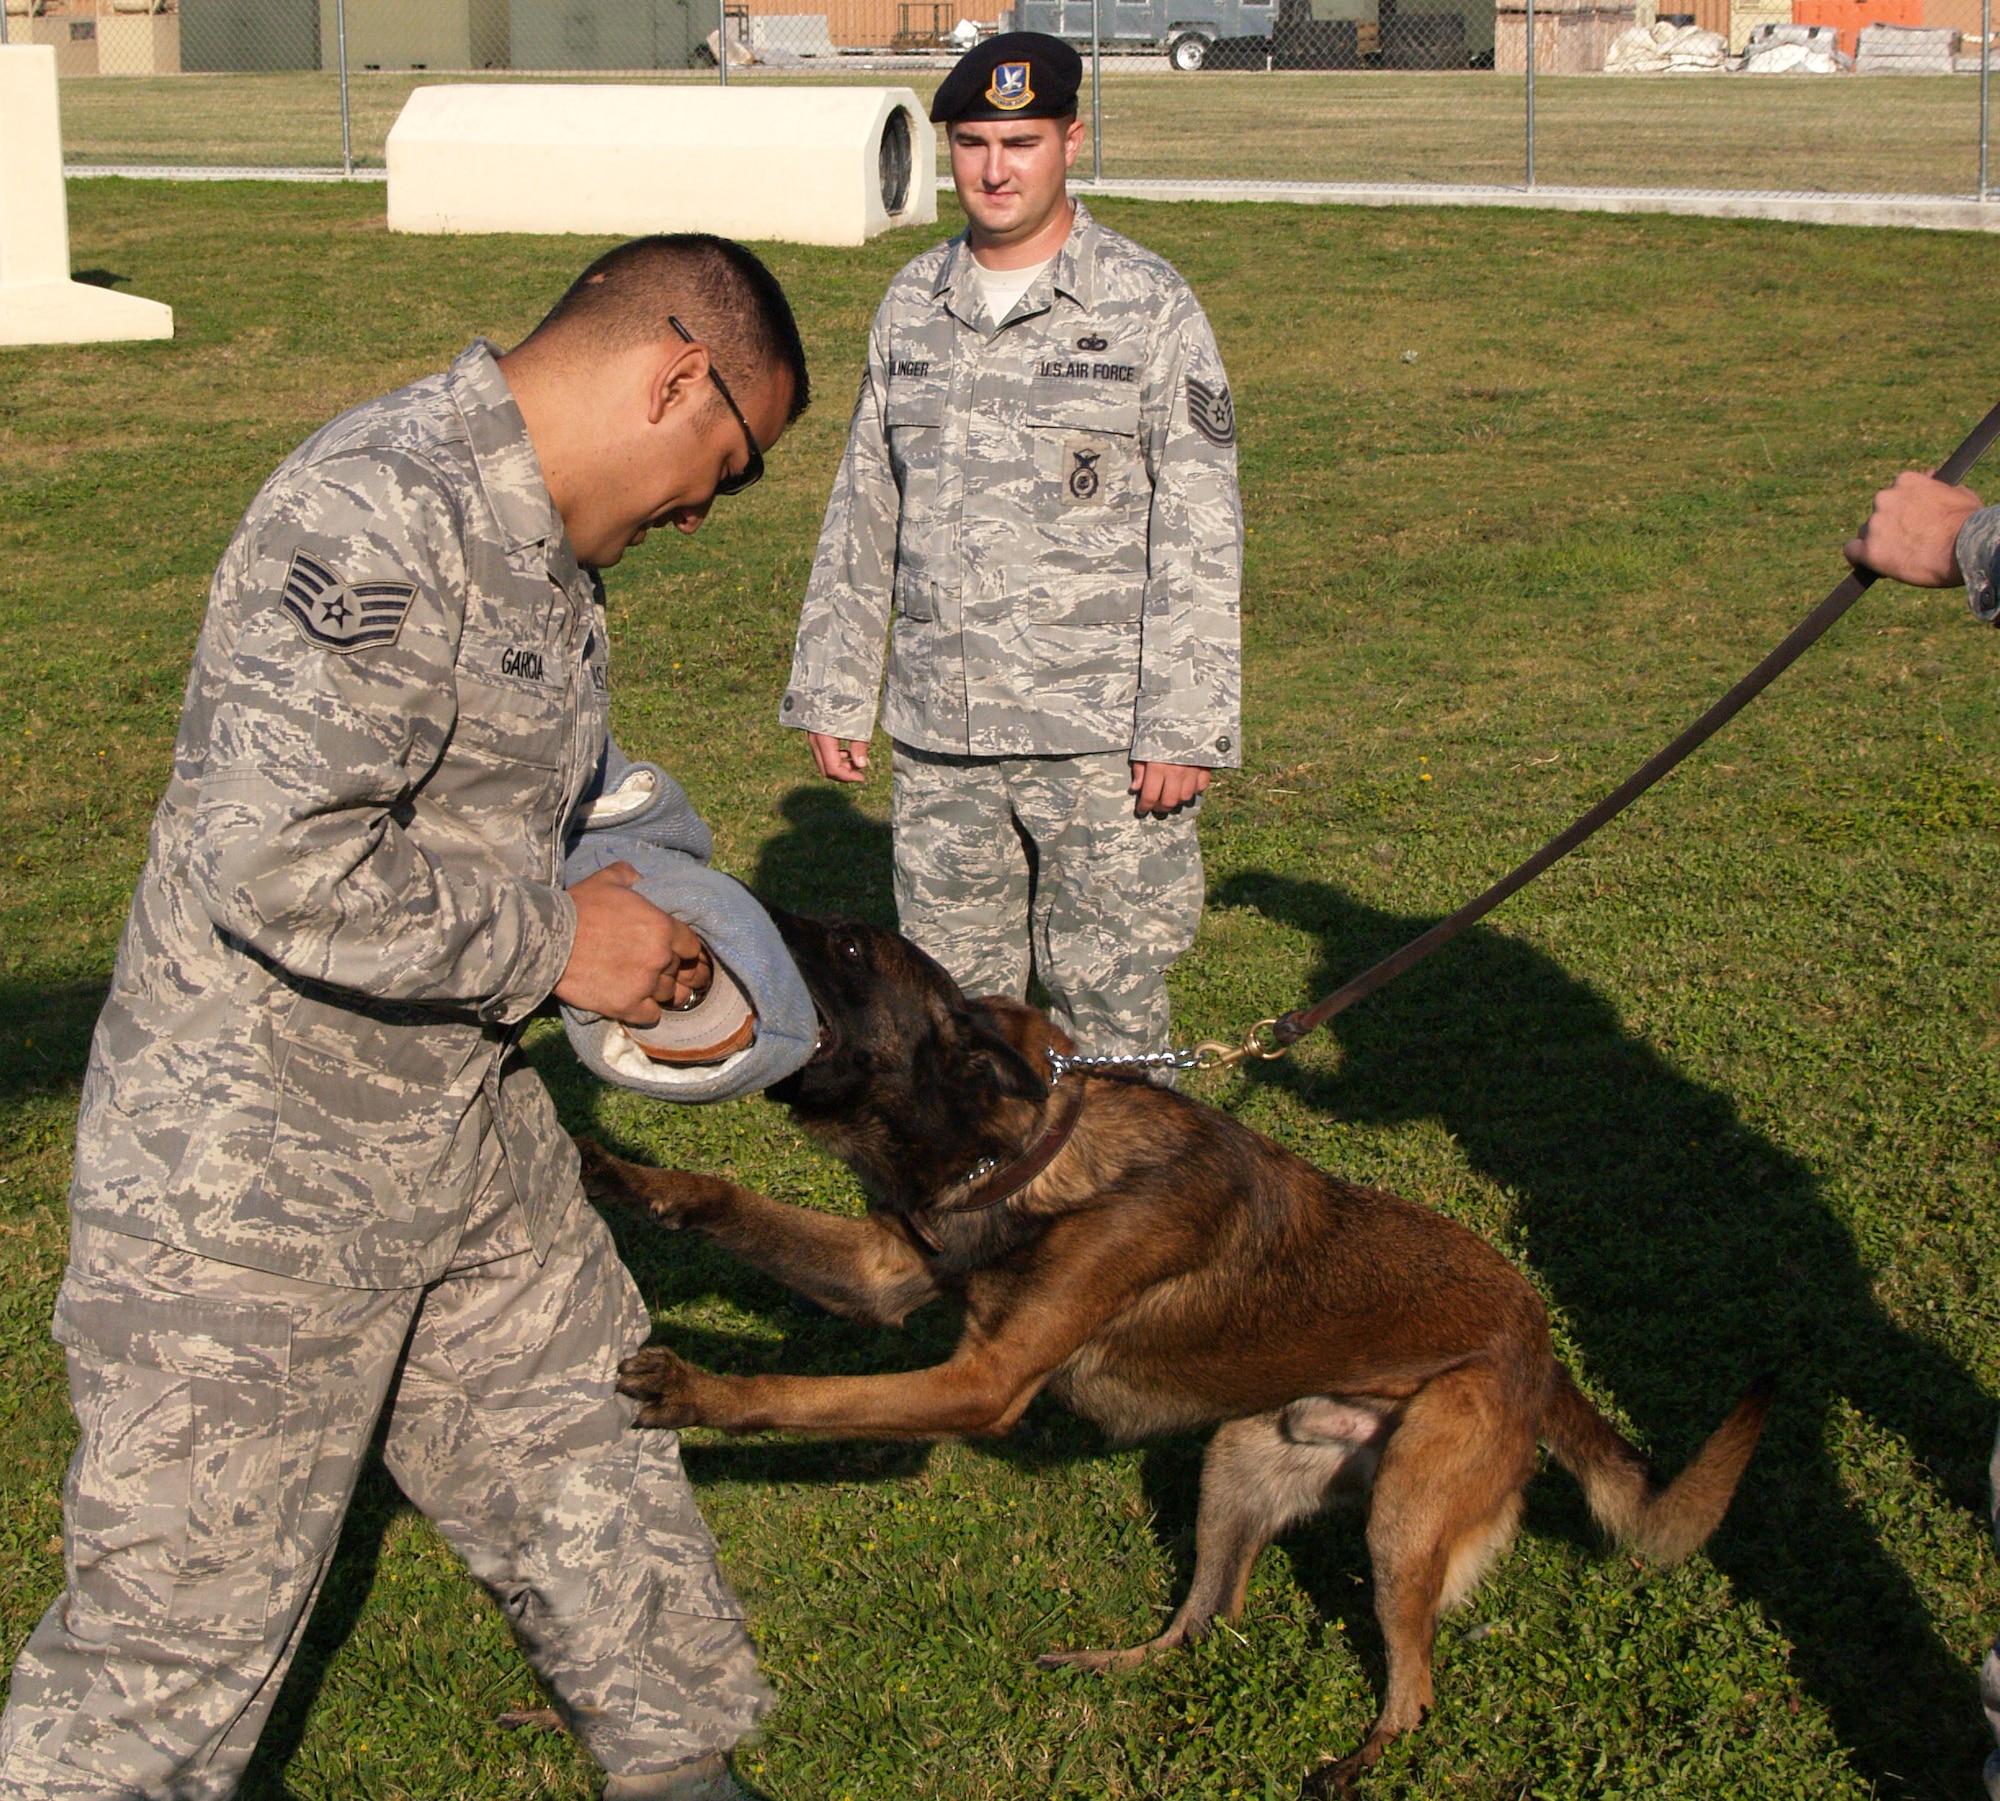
1164, 788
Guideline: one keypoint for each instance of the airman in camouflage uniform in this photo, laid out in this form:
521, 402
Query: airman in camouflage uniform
314, 1177
1041, 516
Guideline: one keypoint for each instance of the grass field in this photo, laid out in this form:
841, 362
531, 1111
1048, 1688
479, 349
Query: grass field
1724, 1085
1894, 134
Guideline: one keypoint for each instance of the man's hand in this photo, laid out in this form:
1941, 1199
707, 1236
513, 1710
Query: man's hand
629, 959
839, 760
1165, 787
1912, 535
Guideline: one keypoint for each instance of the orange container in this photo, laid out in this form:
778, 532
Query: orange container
1848, 16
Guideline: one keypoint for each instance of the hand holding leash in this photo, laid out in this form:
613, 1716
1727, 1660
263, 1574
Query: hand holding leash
1909, 537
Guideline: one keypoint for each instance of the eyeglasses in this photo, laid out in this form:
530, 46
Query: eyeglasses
752, 471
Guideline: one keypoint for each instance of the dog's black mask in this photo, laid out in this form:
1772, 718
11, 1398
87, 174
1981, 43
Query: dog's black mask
911, 1084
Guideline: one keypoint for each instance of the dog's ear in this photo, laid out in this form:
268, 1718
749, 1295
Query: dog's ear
988, 1055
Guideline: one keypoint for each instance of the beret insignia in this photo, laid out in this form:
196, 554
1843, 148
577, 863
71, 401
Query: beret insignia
1211, 412
342, 616
1009, 89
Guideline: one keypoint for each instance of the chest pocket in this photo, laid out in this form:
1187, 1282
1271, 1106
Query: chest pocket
913, 417
1086, 450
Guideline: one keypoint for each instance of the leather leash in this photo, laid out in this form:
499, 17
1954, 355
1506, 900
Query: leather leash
1272, 1038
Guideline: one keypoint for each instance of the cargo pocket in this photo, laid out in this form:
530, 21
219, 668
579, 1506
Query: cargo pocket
175, 1501
368, 1105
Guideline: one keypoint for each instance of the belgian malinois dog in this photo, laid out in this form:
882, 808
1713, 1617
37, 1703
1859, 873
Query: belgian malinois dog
1158, 1267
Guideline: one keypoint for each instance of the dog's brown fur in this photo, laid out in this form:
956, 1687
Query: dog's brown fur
1169, 1269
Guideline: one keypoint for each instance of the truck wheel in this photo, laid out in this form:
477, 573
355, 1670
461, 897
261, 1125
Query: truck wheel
1188, 52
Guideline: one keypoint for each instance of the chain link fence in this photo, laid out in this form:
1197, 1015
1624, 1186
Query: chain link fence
1796, 96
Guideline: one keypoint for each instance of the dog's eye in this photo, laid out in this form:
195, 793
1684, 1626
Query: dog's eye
850, 947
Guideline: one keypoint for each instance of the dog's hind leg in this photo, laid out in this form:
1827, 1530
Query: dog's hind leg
1256, 1480
1447, 1499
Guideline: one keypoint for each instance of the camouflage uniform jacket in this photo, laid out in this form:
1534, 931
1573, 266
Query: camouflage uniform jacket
353, 891
1979, 559
1052, 508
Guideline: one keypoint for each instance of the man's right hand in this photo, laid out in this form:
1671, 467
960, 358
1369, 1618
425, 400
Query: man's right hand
839, 759
629, 959
1912, 535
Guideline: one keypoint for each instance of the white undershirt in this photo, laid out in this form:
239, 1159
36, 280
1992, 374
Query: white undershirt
1001, 289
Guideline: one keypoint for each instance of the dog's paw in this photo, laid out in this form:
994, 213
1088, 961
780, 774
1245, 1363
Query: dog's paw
659, 1379
603, 1175
663, 1193
1336, 1780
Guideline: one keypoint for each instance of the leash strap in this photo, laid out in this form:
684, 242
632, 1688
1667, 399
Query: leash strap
1273, 1037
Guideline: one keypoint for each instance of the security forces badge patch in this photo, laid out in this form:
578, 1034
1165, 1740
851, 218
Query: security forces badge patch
340, 616
1083, 476
1009, 89
1212, 413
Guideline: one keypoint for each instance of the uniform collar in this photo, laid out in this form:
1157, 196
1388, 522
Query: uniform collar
1074, 272
509, 471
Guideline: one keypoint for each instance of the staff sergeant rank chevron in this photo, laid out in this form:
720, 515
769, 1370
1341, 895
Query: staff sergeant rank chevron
339, 616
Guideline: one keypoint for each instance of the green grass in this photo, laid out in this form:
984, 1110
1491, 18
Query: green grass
1915, 135
1724, 1084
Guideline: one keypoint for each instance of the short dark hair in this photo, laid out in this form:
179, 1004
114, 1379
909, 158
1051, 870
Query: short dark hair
721, 291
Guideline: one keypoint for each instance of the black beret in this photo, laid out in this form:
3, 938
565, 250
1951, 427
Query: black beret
1017, 75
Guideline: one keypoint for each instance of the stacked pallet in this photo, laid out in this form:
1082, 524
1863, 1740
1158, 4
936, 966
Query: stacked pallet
1906, 50
1572, 37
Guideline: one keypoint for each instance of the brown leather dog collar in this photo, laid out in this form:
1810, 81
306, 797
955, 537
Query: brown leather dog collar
1010, 1178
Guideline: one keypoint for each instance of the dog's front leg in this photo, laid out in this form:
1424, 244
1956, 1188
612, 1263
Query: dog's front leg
1081, 1276
857, 1268
967, 1396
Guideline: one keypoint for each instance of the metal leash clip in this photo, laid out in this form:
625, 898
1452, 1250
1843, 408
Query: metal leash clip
1211, 1053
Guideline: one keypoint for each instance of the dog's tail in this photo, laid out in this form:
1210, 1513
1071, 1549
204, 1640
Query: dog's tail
1667, 1524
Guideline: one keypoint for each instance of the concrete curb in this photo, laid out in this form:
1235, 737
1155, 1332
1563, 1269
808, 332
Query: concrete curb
1921, 212
1925, 212
216, 172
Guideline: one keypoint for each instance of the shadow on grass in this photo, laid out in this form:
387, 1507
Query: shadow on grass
45, 1032
833, 858
377, 1500
1687, 1252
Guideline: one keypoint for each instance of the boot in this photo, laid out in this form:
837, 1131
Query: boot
704, 1779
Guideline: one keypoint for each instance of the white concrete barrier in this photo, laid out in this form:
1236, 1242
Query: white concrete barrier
39, 304
807, 165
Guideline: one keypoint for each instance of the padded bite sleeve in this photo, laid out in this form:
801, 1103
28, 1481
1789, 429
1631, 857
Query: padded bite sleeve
740, 935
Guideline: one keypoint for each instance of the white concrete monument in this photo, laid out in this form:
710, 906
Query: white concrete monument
39, 304
807, 165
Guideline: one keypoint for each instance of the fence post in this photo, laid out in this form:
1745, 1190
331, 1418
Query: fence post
1985, 61
722, 41
1097, 102
1531, 92
346, 120
3, 22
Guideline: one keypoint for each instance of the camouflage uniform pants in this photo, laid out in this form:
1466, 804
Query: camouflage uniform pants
225, 1415
1010, 864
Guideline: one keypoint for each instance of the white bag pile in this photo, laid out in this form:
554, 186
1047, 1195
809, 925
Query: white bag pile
1794, 50
1906, 50
1663, 49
